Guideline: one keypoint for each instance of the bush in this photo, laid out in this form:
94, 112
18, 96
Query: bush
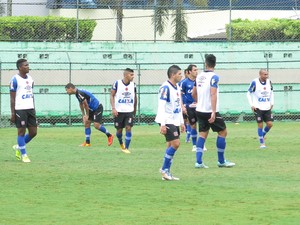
264, 30
49, 28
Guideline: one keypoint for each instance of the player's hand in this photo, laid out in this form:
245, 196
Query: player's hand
114, 112
253, 108
163, 130
212, 117
85, 118
12, 118
182, 128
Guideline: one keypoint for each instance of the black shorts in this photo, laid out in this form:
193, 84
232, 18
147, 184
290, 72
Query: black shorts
204, 125
96, 115
263, 115
173, 132
192, 117
123, 120
25, 118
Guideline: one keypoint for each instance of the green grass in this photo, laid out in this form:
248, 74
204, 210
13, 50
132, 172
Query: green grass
66, 184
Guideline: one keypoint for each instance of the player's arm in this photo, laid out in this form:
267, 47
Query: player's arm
250, 91
135, 101
271, 96
112, 102
164, 96
85, 110
12, 105
213, 95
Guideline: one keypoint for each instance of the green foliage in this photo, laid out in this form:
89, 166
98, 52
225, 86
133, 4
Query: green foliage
67, 184
264, 30
48, 28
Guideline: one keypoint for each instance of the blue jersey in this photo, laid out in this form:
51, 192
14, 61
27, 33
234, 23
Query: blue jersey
92, 101
186, 86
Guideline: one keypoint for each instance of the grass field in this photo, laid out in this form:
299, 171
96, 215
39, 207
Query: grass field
66, 184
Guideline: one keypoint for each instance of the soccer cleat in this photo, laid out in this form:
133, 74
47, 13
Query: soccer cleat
200, 166
194, 148
110, 140
226, 164
166, 175
122, 146
204, 148
18, 153
262, 146
126, 151
25, 159
84, 144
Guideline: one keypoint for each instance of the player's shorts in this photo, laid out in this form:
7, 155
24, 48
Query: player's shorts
173, 132
204, 125
25, 118
263, 115
123, 120
191, 115
97, 114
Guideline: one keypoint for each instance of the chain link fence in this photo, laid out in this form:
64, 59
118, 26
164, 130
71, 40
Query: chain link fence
169, 29
96, 71
154, 20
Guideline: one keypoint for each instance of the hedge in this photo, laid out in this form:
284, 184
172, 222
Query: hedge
49, 28
264, 30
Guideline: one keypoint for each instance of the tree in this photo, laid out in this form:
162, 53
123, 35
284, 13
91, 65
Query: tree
164, 8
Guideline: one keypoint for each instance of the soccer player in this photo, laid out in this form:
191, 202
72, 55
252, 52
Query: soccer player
261, 99
206, 91
123, 100
169, 117
91, 110
189, 104
23, 108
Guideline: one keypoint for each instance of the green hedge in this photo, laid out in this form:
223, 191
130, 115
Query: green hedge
49, 28
264, 30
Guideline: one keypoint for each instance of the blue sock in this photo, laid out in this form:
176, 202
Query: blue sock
194, 136
87, 132
199, 150
221, 145
266, 130
119, 136
188, 132
168, 158
127, 139
260, 135
27, 138
21, 143
103, 130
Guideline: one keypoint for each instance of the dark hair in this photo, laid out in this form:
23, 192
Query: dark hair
129, 70
70, 85
20, 62
172, 70
190, 67
210, 60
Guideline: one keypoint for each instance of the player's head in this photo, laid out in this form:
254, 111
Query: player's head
22, 65
263, 74
174, 73
186, 73
192, 71
210, 60
70, 88
128, 75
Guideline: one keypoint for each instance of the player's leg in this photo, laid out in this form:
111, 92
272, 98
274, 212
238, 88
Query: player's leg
172, 137
32, 126
220, 127
128, 126
99, 126
259, 119
203, 127
268, 118
87, 132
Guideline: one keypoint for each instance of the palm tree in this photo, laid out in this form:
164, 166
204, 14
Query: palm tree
117, 7
179, 21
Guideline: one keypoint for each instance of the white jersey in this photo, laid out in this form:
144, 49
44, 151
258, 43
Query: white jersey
260, 95
125, 96
24, 91
169, 109
204, 81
